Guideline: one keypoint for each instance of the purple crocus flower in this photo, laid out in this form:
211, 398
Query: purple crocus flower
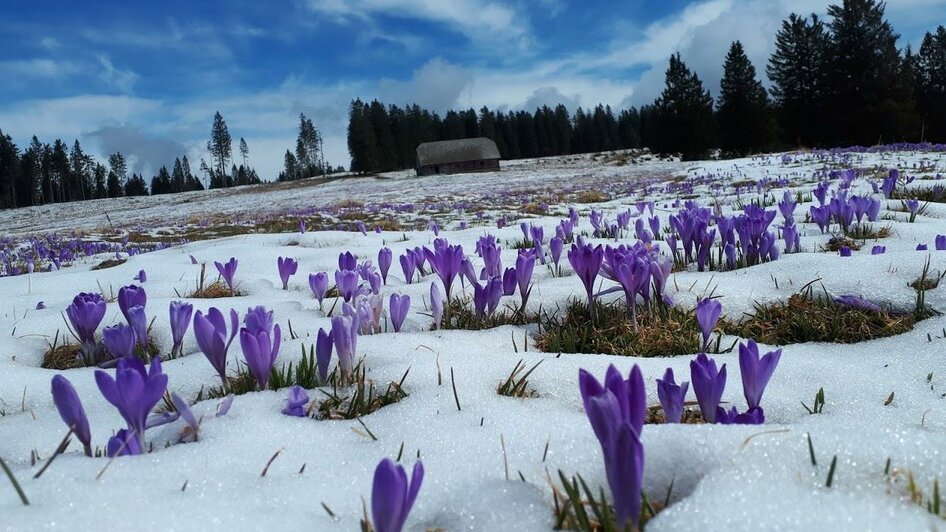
70, 410
345, 336
756, 371
393, 496
912, 206
212, 339
510, 281
374, 283
296, 401
131, 296
586, 261
922, 247
348, 283
399, 306
844, 251
408, 266
134, 392
227, 271
858, 302
446, 260
753, 416
318, 283
85, 314
525, 265
878, 250
616, 412
385, 257
141, 277
323, 353
708, 385
556, 245
940, 243
120, 340
139, 322
301, 226
436, 304
180, 314
486, 297
672, 396
40, 306
707, 314
361, 227
260, 348
123, 443
287, 268
347, 261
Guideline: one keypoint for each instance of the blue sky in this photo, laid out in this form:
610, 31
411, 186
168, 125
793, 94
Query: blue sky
145, 78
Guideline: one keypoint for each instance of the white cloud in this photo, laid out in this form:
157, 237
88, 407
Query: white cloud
437, 85
476, 19
49, 43
30, 69
123, 80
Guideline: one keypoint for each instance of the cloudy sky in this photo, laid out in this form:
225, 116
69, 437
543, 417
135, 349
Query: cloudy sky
145, 78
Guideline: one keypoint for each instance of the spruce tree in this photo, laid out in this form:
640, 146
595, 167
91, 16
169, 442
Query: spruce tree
684, 114
742, 114
930, 86
220, 147
361, 139
798, 70
100, 175
869, 102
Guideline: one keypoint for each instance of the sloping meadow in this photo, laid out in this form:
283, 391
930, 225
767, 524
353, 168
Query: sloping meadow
740, 345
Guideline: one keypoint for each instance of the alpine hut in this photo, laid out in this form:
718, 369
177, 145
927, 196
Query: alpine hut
457, 156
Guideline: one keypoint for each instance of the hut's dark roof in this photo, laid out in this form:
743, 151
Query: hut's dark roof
454, 151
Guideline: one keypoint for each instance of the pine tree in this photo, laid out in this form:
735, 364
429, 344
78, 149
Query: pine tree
244, 150
220, 147
77, 182
178, 181
869, 103
684, 114
9, 171
930, 85
562, 130
100, 174
361, 139
290, 165
742, 114
136, 186
629, 128
798, 69
308, 143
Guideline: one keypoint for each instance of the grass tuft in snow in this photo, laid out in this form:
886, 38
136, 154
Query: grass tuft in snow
362, 400
67, 355
579, 508
837, 242
110, 263
691, 416
806, 318
517, 383
866, 232
461, 315
665, 331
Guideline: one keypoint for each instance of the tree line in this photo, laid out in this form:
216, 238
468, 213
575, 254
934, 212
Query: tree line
839, 82
54, 173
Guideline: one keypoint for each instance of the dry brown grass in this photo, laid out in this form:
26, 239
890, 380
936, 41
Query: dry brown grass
804, 318
214, 290
591, 196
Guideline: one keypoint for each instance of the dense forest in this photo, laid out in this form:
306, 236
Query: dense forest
841, 81
835, 82
54, 173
